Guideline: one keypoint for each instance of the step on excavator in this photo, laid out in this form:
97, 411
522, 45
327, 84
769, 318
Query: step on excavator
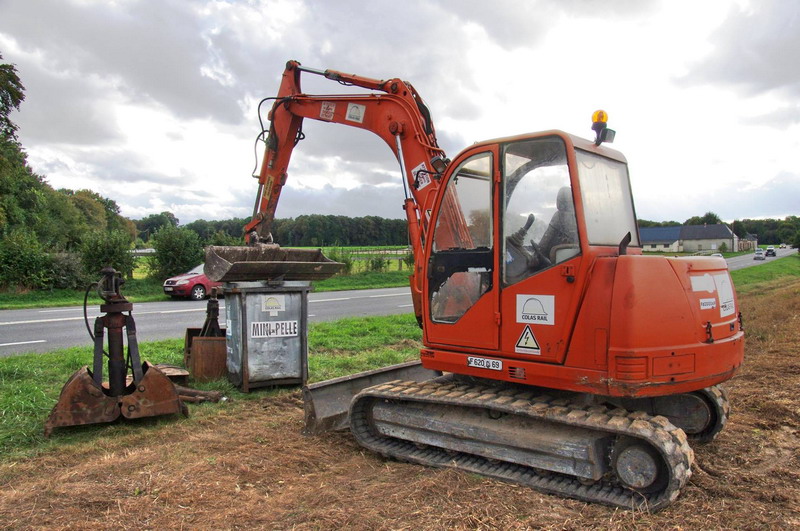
555, 354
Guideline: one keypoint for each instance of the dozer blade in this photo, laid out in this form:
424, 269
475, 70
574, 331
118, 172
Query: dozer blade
267, 262
82, 401
155, 395
327, 403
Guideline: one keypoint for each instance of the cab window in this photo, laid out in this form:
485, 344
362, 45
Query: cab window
461, 263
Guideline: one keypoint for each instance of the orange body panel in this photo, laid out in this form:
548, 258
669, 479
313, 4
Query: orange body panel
641, 330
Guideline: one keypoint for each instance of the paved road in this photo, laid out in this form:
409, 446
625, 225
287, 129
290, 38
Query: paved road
46, 329
746, 260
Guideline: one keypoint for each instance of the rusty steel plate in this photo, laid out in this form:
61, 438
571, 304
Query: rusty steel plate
267, 262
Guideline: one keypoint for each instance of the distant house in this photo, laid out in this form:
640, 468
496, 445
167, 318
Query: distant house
661, 239
688, 238
748, 243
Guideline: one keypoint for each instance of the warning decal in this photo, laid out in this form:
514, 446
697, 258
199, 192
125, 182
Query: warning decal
421, 176
326, 110
527, 343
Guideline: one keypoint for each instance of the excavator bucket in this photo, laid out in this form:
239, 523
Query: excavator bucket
82, 401
267, 262
326, 404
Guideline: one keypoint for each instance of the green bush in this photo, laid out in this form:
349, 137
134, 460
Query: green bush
177, 250
223, 238
24, 264
379, 264
102, 249
342, 256
408, 260
67, 272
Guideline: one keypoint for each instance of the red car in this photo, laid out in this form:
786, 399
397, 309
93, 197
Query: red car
193, 284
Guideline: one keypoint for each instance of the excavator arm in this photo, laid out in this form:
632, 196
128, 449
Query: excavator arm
398, 116
396, 113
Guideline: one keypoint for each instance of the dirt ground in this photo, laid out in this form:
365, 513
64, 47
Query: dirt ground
250, 468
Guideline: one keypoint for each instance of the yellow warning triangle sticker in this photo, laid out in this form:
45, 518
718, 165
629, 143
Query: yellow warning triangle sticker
527, 344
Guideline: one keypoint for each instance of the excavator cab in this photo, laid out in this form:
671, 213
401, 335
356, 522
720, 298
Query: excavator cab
536, 276
520, 235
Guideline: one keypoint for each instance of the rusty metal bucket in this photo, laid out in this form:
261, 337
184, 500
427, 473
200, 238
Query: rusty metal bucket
267, 262
84, 401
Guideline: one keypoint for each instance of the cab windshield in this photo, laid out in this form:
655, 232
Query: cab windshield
607, 199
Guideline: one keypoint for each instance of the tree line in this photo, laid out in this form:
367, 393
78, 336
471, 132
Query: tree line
314, 230
768, 231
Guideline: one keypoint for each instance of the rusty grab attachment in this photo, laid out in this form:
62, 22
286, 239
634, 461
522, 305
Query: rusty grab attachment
266, 261
86, 399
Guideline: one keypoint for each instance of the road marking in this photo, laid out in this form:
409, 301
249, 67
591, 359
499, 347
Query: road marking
406, 306
44, 321
93, 317
331, 300
22, 343
388, 295
66, 310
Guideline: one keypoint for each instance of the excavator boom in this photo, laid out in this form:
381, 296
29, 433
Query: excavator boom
397, 115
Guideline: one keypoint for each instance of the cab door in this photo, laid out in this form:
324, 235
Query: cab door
461, 295
541, 260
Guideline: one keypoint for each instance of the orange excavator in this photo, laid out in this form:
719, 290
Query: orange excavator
561, 357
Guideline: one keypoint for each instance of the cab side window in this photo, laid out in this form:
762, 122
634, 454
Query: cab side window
539, 224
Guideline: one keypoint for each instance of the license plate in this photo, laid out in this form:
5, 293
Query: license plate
485, 363
167, 289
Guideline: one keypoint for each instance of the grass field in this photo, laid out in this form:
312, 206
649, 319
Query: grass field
30, 384
748, 278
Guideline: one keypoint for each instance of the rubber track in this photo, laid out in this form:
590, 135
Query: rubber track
718, 397
670, 441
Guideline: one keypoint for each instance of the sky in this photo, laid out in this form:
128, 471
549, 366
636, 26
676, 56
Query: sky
152, 103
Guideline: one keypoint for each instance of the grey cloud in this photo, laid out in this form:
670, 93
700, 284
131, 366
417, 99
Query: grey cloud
63, 111
776, 198
758, 51
149, 52
514, 23
780, 118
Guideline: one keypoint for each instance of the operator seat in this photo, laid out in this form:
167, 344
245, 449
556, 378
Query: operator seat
562, 233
